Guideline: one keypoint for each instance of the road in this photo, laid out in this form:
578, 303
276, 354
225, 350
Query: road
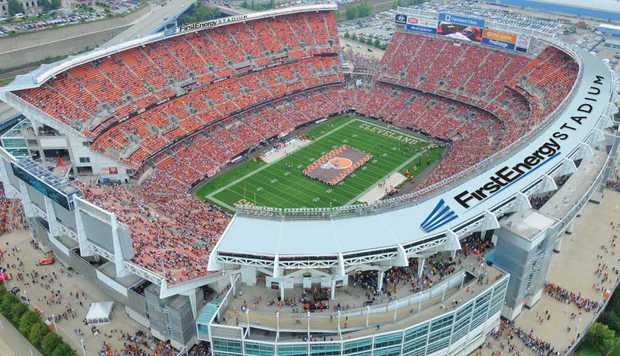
152, 21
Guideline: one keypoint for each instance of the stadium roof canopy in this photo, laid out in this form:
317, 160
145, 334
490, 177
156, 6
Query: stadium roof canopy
602, 9
282, 236
609, 29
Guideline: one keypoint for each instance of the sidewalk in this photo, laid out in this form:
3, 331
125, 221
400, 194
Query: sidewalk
12, 343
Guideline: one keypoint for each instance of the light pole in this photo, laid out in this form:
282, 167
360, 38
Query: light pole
83, 347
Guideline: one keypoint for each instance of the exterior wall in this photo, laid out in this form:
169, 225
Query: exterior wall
77, 146
99, 163
526, 261
136, 302
31, 7
170, 318
452, 333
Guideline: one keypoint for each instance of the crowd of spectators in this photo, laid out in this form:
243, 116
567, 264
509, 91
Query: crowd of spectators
613, 184
138, 344
11, 213
567, 296
172, 234
515, 335
436, 268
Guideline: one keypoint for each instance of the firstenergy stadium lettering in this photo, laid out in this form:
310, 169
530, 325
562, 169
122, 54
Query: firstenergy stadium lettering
212, 23
508, 175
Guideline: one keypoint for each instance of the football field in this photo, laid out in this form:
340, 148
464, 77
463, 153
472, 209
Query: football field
283, 183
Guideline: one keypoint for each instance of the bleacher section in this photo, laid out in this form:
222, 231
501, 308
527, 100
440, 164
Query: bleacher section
109, 89
145, 134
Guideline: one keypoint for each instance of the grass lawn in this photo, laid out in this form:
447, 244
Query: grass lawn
283, 184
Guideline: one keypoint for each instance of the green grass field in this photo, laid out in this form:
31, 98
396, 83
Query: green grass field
283, 184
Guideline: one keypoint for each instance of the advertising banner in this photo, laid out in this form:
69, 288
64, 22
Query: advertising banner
460, 27
421, 24
400, 19
499, 39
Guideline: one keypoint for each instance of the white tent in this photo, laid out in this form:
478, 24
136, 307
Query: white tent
99, 312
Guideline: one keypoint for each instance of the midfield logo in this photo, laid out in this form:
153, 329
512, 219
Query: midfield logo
441, 215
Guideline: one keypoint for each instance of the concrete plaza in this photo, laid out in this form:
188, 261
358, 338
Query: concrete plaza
67, 282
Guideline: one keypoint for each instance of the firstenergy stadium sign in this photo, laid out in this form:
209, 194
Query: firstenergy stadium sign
212, 23
507, 175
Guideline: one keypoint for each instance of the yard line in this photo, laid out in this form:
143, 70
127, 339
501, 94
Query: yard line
389, 174
274, 162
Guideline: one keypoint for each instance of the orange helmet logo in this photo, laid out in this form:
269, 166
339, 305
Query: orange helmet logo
337, 163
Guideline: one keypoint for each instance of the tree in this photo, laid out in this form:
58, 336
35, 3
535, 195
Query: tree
45, 4
27, 320
199, 12
63, 350
37, 333
55, 4
601, 337
351, 12
347, 35
611, 318
15, 7
17, 310
49, 343
377, 43
364, 9
6, 305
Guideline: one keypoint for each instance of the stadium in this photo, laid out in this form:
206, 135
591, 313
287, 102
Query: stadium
239, 182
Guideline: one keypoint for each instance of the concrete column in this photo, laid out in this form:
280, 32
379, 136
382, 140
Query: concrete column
570, 227
247, 319
26, 201
51, 217
421, 261
85, 248
281, 285
119, 261
557, 246
248, 275
380, 275
333, 290
193, 302
232, 284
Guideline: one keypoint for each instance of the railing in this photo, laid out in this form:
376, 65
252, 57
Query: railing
359, 317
